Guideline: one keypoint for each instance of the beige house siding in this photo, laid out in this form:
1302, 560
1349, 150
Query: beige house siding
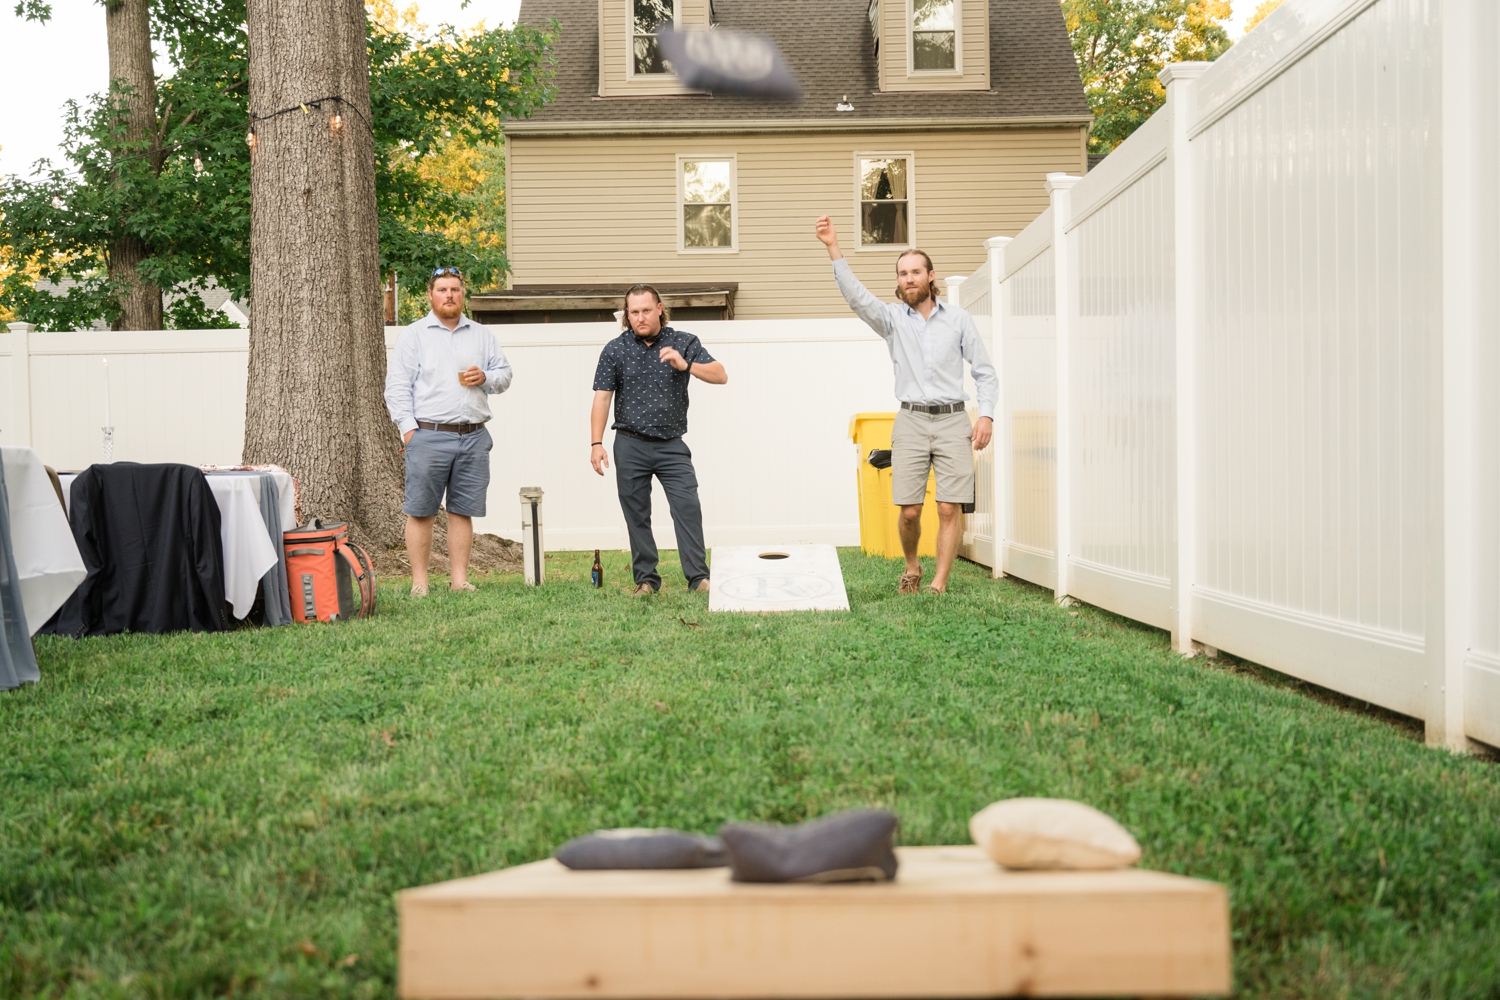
973, 57
603, 209
616, 52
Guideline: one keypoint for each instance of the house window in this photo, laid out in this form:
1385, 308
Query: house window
706, 202
874, 15
646, 48
885, 201
933, 35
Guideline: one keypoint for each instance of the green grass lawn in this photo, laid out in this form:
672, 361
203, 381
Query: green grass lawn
198, 815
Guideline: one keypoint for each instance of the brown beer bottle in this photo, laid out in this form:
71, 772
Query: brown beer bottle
598, 570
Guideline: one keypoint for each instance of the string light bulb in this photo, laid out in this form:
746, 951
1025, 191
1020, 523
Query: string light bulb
250, 139
197, 164
336, 122
57, 202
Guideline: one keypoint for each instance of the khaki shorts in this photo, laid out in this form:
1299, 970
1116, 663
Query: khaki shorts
941, 441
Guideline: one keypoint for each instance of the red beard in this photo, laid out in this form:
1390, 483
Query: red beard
913, 296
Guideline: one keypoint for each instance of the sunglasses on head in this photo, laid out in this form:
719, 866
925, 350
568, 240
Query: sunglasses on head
447, 270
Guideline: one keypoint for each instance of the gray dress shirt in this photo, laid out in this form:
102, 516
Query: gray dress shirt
929, 354
421, 380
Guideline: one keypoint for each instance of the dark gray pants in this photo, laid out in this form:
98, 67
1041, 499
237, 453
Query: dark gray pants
636, 461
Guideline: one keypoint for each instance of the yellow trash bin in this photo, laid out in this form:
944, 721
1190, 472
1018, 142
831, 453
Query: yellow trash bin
879, 533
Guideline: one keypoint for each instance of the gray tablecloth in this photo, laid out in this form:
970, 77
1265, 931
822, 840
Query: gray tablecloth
17, 659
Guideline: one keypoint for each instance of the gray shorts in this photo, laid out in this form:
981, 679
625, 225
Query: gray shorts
923, 441
446, 461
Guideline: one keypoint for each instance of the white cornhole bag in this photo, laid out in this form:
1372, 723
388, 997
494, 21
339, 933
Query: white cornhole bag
1052, 833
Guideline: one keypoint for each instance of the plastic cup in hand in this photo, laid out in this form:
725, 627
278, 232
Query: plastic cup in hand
464, 364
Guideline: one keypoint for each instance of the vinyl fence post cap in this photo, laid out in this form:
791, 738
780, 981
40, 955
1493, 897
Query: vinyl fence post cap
531, 494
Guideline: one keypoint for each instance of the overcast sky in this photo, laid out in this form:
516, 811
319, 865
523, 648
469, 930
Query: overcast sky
42, 67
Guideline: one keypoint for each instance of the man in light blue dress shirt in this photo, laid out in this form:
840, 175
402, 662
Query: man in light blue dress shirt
929, 342
436, 389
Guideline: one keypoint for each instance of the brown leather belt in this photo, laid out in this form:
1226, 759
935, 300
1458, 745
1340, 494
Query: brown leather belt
450, 428
945, 408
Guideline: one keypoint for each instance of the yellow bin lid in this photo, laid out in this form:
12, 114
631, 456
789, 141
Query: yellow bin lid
855, 420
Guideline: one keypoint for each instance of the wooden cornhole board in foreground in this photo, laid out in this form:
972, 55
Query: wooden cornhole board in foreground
951, 925
777, 578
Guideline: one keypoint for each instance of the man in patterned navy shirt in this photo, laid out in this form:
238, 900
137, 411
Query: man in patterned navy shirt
649, 366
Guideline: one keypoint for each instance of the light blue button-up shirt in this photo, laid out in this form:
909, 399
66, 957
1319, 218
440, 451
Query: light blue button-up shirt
421, 380
929, 354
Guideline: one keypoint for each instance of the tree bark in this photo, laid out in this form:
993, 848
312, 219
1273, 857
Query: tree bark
128, 31
315, 403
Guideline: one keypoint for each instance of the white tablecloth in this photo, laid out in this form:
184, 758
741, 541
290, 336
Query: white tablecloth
47, 559
248, 551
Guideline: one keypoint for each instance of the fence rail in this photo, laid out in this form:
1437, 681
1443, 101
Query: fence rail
1248, 362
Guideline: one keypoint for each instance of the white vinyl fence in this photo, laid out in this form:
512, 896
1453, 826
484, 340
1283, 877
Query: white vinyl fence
1250, 362
774, 461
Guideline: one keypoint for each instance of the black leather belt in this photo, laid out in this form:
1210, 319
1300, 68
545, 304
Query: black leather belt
945, 408
639, 437
451, 428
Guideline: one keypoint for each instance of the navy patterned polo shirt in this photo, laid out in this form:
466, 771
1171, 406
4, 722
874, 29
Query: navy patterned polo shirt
651, 397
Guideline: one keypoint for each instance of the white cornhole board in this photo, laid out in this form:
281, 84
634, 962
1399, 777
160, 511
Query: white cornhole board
777, 578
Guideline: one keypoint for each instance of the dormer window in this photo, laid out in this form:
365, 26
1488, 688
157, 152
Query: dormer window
933, 35
874, 15
646, 48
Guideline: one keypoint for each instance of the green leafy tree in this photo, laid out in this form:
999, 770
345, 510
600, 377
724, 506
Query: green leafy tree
184, 190
1121, 45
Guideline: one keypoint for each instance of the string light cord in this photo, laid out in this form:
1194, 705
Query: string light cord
316, 103
203, 139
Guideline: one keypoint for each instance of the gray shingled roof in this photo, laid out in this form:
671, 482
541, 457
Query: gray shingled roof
1032, 71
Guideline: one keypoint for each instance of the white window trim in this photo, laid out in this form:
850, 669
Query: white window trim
958, 44
911, 202
630, 73
734, 203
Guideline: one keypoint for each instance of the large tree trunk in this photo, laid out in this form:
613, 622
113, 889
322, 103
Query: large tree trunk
128, 29
317, 344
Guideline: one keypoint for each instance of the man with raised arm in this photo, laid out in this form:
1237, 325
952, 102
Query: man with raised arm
436, 387
646, 370
929, 342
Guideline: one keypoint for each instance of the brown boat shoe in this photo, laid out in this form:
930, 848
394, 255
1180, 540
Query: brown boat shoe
911, 583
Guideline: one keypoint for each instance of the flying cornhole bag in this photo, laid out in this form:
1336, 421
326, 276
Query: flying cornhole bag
729, 63
1052, 833
329, 578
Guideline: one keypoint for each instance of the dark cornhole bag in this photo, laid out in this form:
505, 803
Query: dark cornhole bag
852, 846
641, 848
880, 458
729, 63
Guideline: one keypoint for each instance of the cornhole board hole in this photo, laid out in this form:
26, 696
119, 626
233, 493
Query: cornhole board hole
952, 924
777, 578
